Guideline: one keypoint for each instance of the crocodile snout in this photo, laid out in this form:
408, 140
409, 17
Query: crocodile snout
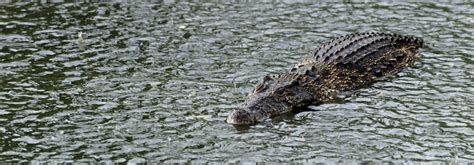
241, 117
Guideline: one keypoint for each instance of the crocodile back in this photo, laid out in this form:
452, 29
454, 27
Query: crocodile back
354, 48
355, 60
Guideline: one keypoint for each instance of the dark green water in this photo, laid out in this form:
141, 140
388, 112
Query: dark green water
135, 82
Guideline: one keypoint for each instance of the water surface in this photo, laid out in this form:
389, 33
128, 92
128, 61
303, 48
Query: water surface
135, 82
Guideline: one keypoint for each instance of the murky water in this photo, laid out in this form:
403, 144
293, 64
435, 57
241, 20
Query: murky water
142, 82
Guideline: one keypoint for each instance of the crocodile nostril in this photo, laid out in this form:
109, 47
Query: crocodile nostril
240, 117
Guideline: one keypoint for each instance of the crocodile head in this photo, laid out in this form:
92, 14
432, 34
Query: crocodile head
271, 97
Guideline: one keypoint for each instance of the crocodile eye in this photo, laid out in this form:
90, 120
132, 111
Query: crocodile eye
279, 91
260, 87
264, 84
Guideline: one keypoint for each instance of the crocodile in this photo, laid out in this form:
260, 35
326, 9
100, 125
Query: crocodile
344, 63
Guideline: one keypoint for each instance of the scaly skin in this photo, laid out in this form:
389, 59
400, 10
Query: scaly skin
344, 63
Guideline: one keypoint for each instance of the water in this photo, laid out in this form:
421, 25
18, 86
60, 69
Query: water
136, 82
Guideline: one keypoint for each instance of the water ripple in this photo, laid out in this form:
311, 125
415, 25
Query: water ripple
118, 82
